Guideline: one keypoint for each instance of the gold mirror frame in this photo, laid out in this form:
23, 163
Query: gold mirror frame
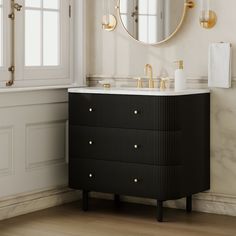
187, 5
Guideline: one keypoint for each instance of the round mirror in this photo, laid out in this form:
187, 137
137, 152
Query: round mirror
152, 21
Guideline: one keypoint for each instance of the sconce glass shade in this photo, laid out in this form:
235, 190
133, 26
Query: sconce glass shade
109, 21
208, 17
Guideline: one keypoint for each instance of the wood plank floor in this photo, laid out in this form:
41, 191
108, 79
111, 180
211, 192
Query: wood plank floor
104, 219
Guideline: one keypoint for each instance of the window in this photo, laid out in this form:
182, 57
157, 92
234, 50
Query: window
42, 42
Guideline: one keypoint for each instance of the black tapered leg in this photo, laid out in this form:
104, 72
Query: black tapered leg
117, 200
159, 211
85, 200
189, 203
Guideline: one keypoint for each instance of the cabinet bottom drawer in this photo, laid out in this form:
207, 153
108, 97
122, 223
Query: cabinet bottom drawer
113, 177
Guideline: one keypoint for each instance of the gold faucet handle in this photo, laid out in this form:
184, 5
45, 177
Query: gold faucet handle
139, 82
163, 83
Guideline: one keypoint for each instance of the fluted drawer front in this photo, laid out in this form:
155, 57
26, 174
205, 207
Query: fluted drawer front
114, 177
85, 109
125, 178
93, 175
167, 113
138, 180
169, 148
135, 146
131, 112
170, 182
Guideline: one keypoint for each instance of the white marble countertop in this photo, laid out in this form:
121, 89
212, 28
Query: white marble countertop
137, 91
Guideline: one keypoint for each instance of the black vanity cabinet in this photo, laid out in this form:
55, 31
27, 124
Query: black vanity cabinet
146, 146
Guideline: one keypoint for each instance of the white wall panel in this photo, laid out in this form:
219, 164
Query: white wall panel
6, 150
45, 144
33, 141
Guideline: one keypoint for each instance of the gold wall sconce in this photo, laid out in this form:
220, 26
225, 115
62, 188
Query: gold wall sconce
208, 18
109, 21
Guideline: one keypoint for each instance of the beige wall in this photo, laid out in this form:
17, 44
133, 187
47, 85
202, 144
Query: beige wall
118, 55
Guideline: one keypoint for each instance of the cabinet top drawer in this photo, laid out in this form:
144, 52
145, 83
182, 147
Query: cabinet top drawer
167, 113
113, 111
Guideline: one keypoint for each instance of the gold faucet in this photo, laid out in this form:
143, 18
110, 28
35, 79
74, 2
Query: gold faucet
148, 68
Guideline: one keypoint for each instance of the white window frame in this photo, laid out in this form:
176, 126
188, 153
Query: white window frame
4, 73
77, 54
45, 75
78, 67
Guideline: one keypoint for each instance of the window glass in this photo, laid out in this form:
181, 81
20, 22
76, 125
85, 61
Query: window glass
42, 33
33, 3
51, 4
51, 38
152, 7
143, 6
32, 38
143, 30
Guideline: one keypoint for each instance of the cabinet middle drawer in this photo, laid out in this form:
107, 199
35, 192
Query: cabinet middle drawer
134, 146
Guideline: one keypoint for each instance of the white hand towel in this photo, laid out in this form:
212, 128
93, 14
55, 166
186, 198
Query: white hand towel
219, 65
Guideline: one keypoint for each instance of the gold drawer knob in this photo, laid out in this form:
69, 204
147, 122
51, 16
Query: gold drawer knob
90, 176
136, 180
136, 146
90, 109
90, 142
136, 112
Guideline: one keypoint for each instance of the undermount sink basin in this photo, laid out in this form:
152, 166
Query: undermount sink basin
137, 91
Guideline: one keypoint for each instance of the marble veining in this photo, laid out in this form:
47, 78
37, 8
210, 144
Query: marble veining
223, 141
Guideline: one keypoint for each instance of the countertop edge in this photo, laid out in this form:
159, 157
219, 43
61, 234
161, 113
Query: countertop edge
116, 91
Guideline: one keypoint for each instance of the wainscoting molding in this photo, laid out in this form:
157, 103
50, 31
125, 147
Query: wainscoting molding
6, 147
32, 97
35, 201
33, 141
193, 82
45, 144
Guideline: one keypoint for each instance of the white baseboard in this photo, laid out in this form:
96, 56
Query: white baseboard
31, 202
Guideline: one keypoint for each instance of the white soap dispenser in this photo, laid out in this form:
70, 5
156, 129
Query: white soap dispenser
180, 80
